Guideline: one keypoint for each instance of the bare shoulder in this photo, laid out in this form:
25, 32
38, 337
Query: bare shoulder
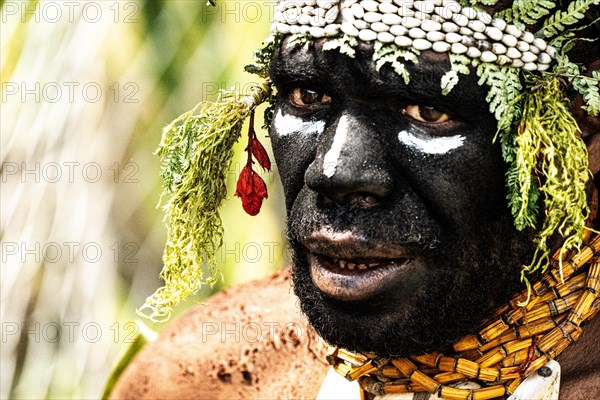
250, 341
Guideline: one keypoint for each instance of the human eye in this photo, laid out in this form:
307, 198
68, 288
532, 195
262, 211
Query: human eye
303, 97
426, 114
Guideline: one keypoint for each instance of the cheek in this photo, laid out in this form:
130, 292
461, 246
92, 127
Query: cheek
294, 142
459, 177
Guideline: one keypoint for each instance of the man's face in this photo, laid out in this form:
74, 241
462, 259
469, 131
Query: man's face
397, 216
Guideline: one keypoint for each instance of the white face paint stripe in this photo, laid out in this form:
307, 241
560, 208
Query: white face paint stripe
330, 160
289, 124
431, 145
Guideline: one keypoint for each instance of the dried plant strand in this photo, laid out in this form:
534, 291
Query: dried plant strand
196, 151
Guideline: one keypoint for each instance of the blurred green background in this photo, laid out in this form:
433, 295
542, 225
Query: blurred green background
86, 88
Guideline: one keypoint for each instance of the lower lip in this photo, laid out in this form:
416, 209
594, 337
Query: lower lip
353, 285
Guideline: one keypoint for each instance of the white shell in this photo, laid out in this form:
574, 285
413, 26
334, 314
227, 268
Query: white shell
435, 36
327, 4
391, 19
540, 43
452, 37
468, 41
494, 33
403, 41
385, 37
543, 67
503, 60
424, 6
357, 10
361, 24
534, 50
440, 47
304, 19
484, 17
417, 33
283, 28
309, 10
429, 25
318, 21
332, 29
544, 58
498, 48
513, 30
517, 63
460, 20
523, 46
421, 44
316, 32
370, 5
404, 10
509, 40
488, 56
367, 35
499, 23
372, 17
528, 57
528, 37
347, 14
469, 12
398, 30
450, 27
513, 53
459, 48
473, 52
480, 36
349, 29
476, 26
551, 51
388, 8
379, 27
411, 22
530, 66
444, 12
465, 31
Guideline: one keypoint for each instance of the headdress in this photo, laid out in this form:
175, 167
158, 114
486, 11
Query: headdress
527, 73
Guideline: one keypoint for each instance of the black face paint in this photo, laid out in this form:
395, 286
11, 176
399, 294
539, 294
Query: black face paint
370, 182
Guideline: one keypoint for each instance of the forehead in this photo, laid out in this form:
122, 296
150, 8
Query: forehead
358, 76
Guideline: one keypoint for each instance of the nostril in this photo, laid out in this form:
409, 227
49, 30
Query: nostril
361, 200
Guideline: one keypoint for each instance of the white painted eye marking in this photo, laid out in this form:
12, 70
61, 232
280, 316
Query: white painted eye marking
289, 124
331, 159
424, 143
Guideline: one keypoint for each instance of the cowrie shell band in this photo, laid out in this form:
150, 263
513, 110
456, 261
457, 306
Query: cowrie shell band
440, 25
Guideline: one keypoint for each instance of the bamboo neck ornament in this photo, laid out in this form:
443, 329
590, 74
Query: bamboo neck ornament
515, 342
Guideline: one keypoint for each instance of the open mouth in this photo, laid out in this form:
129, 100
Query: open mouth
354, 279
348, 267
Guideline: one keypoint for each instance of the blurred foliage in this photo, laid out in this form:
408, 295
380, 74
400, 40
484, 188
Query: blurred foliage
152, 59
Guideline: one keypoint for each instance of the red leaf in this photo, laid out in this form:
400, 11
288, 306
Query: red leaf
244, 183
251, 189
259, 152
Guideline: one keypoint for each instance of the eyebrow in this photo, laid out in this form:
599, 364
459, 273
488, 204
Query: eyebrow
290, 66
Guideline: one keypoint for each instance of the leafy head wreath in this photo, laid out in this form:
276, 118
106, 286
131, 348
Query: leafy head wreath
527, 75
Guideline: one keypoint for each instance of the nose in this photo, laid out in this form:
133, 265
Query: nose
350, 166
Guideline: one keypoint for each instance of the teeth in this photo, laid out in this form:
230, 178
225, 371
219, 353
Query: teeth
352, 266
